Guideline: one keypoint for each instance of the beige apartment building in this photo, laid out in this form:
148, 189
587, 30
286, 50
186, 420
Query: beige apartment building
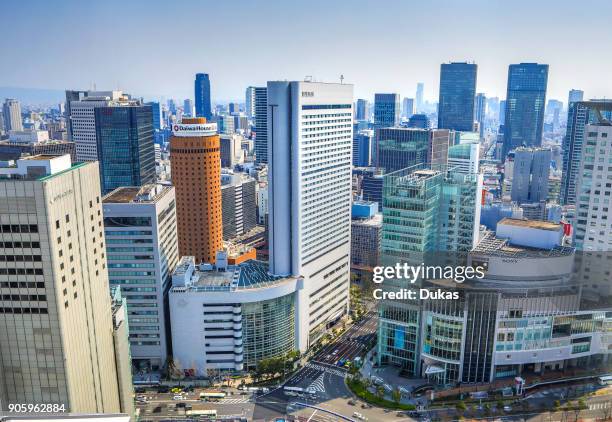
56, 325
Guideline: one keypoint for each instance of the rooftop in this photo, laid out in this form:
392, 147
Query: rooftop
137, 194
491, 245
533, 224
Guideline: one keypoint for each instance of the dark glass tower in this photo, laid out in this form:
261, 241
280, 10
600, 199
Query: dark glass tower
125, 146
457, 91
202, 96
261, 125
525, 101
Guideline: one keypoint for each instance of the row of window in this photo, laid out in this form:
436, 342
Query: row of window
23, 284
20, 258
19, 228
43, 311
33, 298
9, 245
21, 271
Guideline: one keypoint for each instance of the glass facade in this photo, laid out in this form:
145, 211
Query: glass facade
399, 148
268, 329
202, 96
125, 146
457, 92
525, 101
386, 110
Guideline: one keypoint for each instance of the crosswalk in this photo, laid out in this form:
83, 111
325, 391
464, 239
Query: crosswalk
229, 400
317, 385
327, 369
600, 405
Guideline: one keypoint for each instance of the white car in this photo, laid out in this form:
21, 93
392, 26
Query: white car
177, 397
359, 416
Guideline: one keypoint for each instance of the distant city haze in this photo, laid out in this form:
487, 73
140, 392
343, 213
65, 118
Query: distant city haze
154, 49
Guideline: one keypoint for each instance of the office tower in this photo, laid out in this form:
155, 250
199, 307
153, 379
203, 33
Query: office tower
366, 235
250, 102
372, 188
196, 174
225, 122
231, 150
361, 110
57, 335
309, 218
124, 134
579, 114
480, 107
593, 189
156, 111
419, 121
530, 172
464, 158
80, 116
2, 131
261, 125
172, 106
238, 204
408, 107
492, 108
457, 91
202, 96
362, 148
427, 210
502, 113
188, 110
575, 95
419, 97
386, 110
11, 113
525, 100
399, 148
142, 251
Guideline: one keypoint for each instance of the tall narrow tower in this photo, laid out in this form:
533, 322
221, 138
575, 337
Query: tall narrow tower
196, 174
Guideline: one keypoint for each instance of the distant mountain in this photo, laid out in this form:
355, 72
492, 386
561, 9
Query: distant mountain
33, 96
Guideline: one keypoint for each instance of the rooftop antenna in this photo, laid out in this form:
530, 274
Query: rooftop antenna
341, 79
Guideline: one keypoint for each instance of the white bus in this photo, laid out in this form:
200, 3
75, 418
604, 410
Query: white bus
212, 395
605, 380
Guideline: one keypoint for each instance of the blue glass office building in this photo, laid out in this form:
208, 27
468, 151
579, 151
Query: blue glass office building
125, 146
157, 115
457, 92
525, 101
202, 96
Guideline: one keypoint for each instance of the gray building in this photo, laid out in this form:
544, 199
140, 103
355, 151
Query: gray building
530, 173
238, 204
11, 115
14, 150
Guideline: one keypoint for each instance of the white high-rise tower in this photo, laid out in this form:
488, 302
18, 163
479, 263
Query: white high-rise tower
309, 154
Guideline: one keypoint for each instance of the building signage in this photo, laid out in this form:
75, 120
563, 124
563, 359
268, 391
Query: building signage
197, 129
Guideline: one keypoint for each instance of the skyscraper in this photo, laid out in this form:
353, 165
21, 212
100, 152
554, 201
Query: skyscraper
11, 114
81, 121
57, 335
386, 110
362, 148
309, 218
399, 148
574, 96
157, 115
261, 125
140, 231
480, 107
203, 106
124, 136
580, 113
457, 91
196, 173
530, 172
408, 107
419, 97
188, 110
250, 102
361, 110
525, 101
239, 208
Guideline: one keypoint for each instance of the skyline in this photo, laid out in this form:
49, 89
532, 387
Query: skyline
384, 49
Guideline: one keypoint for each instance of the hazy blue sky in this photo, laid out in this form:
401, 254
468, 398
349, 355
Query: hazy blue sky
154, 48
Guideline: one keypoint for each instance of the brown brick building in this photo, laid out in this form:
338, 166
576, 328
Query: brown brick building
196, 174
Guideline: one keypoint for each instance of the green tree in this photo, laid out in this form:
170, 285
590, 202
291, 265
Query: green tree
396, 395
461, 407
380, 391
500, 404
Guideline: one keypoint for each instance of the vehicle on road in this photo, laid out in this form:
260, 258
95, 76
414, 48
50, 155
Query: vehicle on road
207, 414
352, 402
212, 395
335, 352
507, 409
605, 380
177, 397
359, 416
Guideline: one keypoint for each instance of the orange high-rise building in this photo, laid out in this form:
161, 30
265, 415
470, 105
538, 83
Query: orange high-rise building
196, 174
